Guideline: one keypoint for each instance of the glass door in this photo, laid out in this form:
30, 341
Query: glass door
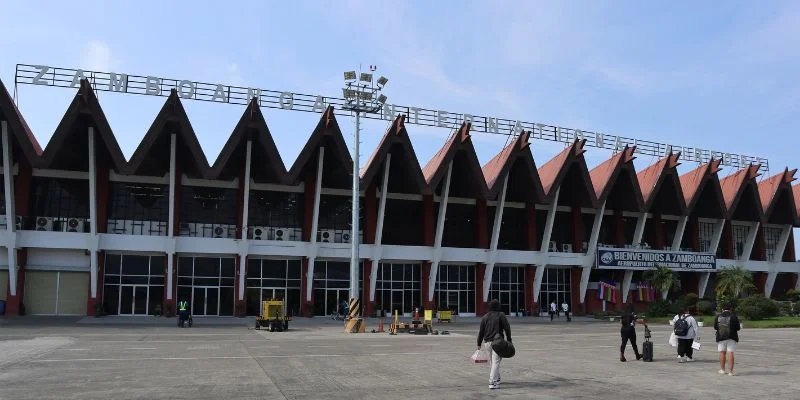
133, 300
198, 301
205, 301
505, 302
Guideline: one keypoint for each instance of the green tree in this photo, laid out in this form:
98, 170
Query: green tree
663, 279
734, 281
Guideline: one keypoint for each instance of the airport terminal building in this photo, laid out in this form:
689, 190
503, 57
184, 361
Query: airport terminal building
87, 231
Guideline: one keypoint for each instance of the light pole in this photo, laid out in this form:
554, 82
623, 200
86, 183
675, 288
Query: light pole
361, 95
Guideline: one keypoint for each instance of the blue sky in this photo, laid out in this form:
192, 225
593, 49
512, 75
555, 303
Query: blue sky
709, 74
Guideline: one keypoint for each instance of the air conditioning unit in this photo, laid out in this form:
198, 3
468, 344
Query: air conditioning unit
259, 232
220, 231
566, 248
72, 225
280, 234
20, 223
326, 236
44, 223
347, 237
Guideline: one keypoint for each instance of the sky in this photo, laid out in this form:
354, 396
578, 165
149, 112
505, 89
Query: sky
715, 75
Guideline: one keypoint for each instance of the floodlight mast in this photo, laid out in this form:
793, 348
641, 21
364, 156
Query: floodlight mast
361, 96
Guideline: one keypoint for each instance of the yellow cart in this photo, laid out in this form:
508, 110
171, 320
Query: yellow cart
273, 316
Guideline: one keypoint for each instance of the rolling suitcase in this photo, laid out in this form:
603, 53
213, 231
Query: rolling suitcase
647, 346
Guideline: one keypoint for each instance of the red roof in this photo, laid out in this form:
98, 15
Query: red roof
552, 173
436, 168
19, 127
327, 130
495, 171
734, 185
396, 134
796, 192
691, 182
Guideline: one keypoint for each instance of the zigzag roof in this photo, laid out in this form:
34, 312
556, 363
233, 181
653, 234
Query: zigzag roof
327, 131
436, 169
500, 165
20, 131
554, 171
605, 176
652, 178
395, 135
734, 185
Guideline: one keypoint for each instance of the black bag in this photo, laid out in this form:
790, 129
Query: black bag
502, 347
647, 351
681, 326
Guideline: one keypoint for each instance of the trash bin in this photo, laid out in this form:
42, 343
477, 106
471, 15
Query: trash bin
2, 307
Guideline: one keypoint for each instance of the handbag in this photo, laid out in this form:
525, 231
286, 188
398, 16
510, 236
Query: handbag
673, 340
502, 347
696, 345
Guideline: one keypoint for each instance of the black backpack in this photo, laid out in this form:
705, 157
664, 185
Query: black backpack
724, 327
681, 326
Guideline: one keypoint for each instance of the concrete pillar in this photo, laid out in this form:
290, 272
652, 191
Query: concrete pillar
530, 303
22, 206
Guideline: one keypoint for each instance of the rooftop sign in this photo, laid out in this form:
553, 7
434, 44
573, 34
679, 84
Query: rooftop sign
219, 93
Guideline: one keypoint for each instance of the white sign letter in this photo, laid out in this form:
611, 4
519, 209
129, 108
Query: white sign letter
287, 100
253, 93
219, 93
153, 86
698, 155
415, 110
599, 140
468, 118
319, 105
441, 118
744, 161
667, 149
76, 80
491, 125
618, 146
389, 112
186, 94
579, 134
117, 85
37, 80
517, 129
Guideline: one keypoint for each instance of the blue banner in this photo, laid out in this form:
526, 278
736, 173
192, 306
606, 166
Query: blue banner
641, 259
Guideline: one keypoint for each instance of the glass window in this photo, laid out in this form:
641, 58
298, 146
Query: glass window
157, 264
112, 264
228, 267
207, 267
185, 265
135, 265
254, 268
275, 269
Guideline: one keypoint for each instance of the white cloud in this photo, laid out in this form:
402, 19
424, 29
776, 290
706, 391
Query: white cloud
98, 56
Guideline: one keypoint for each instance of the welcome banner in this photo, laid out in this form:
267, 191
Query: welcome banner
641, 259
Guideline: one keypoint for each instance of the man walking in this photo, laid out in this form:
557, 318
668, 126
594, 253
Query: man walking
727, 326
686, 329
553, 309
628, 333
565, 308
494, 324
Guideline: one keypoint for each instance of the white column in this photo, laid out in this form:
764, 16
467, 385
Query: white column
245, 216
498, 219
773, 270
589, 260
626, 284
545, 247
92, 215
11, 219
751, 240
678, 239
171, 224
376, 257
639, 231
437, 242
715, 240
312, 237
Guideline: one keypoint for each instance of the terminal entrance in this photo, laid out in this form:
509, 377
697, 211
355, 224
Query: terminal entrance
556, 288
205, 301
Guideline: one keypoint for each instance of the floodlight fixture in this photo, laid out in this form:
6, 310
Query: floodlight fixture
382, 81
382, 99
365, 77
350, 75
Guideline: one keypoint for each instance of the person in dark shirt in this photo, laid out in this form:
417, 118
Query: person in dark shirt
494, 323
727, 327
628, 332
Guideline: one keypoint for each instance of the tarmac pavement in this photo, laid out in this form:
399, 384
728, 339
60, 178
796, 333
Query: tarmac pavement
150, 358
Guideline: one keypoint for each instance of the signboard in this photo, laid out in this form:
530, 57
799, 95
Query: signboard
640, 259
46, 75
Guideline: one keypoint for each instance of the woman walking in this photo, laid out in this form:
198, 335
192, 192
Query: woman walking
628, 332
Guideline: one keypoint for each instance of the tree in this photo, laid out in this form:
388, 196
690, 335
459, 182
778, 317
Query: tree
734, 281
663, 279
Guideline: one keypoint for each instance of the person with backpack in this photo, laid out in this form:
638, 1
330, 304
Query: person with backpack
493, 324
686, 330
727, 326
628, 332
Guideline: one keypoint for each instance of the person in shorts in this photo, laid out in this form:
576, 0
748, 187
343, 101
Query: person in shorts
727, 326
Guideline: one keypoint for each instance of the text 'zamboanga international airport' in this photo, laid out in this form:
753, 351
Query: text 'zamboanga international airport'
88, 232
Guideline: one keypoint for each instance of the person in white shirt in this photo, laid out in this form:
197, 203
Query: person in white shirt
553, 310
565, 309
686, 330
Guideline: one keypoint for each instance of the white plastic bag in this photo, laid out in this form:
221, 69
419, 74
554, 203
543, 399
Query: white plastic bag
673, 340
696, 345
479, 356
